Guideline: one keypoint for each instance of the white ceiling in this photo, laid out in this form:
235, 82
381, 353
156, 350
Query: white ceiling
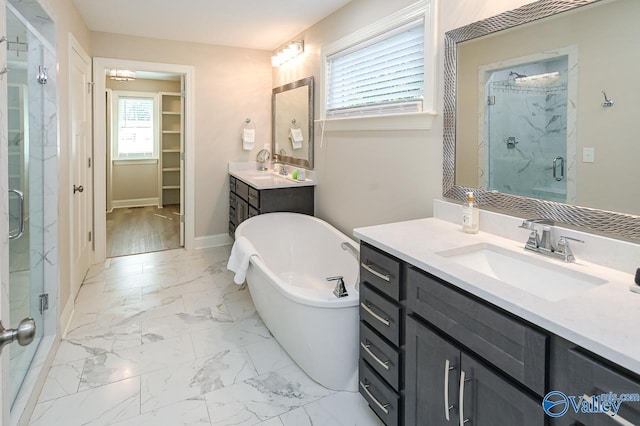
256, 24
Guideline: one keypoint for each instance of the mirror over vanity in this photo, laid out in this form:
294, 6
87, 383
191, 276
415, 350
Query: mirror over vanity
292, 123
540, 107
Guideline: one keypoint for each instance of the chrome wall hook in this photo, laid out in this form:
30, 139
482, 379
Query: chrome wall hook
607, 102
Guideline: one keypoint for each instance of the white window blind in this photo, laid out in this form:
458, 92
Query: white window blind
383, 75
135, 128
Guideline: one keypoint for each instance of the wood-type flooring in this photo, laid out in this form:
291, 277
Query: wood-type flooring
142, 230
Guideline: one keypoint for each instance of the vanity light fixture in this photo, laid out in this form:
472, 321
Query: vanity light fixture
122, 75
287, 53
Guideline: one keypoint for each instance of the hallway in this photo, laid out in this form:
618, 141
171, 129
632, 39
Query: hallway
167, 338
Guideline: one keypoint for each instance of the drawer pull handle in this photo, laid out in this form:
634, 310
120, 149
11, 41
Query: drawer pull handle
620, 420
367, 308
384, 364
447, 407
368, 267
383, 407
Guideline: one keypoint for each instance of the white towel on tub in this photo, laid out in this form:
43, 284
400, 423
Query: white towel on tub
241, 253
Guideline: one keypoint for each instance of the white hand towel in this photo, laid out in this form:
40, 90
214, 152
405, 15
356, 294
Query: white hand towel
248, 138
241, 253
296, 138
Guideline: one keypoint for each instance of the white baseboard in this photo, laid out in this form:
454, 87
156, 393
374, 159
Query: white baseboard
135, 202
66, 315
213, 241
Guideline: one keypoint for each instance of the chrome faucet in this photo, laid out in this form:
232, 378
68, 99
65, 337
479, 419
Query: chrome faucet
277, 163
544, 245
351, 249
340, 290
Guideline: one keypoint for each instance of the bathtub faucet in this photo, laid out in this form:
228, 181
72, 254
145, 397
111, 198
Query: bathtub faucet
340, 290
351, 249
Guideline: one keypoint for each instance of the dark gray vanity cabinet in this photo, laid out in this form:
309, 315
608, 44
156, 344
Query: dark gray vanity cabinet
467, 359
577, 373
444, 383
246, 201
381, 333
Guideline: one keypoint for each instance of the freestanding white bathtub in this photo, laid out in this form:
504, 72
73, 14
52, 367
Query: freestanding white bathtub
288, 286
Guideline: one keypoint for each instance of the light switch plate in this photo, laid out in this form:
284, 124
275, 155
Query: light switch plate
588, 155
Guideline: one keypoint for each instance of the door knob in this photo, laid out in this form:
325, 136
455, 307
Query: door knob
24, 334
78, 188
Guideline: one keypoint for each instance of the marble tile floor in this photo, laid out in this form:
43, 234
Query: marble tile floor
167, 338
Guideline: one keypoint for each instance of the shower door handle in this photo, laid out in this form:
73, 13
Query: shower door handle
24, 334
18, 234
555, 168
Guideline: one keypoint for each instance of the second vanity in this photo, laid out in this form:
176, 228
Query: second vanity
253, 192
443, 342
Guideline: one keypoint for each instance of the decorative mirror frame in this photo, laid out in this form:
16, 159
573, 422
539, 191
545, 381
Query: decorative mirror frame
300, 162
614, 224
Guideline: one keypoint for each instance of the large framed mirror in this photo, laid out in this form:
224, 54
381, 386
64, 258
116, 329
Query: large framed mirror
539, 112
292, 123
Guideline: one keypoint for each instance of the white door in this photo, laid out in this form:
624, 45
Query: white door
81, 163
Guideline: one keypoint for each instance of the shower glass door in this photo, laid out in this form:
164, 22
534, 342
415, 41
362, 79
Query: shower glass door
25, 140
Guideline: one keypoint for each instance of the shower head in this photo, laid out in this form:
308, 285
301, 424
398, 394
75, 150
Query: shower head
516, 74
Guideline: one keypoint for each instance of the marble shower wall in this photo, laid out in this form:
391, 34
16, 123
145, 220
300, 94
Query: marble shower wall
526, 129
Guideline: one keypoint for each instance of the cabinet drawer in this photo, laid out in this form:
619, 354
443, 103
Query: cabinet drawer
242, 190
584, 375
381, 398
380, 313
253, 198
232, 184
509, 344
381, 356
380, 270
232, 199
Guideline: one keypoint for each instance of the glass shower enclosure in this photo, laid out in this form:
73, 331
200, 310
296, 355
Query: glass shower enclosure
32, 147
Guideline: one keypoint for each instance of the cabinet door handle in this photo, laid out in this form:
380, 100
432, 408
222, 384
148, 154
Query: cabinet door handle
461, 398
383, 407
366, 347
369, 267
367, 308
617, 418
447, 407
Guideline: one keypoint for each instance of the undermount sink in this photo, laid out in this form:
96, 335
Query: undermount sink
544, 279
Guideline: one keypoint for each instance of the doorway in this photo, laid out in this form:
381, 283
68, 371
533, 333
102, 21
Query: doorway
145, 191
174, 163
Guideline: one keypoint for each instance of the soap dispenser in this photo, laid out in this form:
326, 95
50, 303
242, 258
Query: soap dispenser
470, 216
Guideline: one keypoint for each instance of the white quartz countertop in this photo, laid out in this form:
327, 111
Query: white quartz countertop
604, 319
268, 179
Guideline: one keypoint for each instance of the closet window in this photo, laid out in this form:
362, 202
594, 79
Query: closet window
136, 127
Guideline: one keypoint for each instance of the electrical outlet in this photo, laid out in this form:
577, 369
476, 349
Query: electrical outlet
588, 155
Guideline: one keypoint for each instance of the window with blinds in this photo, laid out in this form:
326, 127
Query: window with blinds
135, 128
383, 75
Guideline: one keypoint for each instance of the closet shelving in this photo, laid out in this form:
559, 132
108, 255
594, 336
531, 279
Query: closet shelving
171, 141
